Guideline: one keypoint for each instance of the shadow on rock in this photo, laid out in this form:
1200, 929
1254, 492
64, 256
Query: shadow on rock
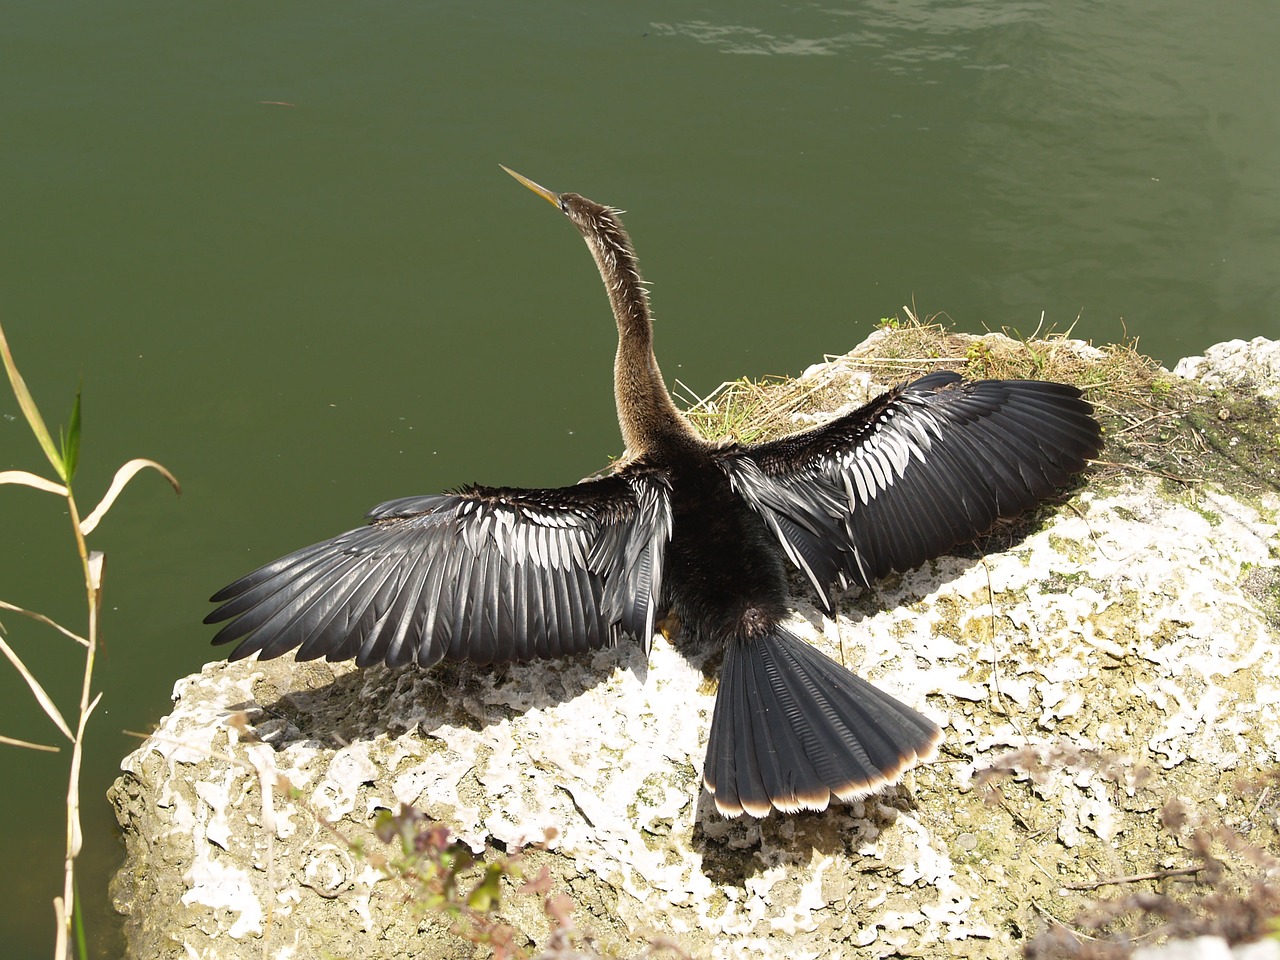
337, 704
738, 850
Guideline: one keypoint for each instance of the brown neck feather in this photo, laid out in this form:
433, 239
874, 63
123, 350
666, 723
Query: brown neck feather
649, 419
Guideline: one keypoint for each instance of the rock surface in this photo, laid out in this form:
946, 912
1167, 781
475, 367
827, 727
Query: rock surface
1131, 627
1252, 365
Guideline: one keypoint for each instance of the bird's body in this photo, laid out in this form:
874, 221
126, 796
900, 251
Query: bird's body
725, 576
700, 530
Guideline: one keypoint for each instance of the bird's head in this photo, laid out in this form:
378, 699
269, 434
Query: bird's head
592, 219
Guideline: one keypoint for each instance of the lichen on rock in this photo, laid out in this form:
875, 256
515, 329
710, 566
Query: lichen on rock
1129, 628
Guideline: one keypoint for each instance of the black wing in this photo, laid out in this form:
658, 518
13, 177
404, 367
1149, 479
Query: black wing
486, 574
914, 472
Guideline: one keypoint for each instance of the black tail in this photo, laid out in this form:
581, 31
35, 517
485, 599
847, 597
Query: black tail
792, 728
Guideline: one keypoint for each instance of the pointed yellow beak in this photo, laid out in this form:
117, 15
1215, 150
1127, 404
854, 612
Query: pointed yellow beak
550, 196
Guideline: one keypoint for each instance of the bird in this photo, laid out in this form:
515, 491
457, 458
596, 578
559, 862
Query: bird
689, 530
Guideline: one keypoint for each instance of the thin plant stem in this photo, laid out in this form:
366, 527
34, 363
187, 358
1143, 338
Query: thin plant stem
91, 564
69, 917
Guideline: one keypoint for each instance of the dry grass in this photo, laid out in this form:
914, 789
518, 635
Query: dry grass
753, 411
1117, 379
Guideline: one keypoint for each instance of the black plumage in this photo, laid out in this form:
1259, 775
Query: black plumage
494, 574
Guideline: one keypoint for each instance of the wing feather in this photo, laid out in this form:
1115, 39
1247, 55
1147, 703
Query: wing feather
914, 472
486, 574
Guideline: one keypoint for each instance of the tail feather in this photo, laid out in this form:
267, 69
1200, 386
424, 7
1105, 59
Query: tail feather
720, 766
776, 741
791, 729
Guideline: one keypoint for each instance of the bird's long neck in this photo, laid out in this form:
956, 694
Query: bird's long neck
646, 413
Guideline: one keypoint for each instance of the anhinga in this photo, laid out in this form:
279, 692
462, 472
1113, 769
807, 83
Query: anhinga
696, 528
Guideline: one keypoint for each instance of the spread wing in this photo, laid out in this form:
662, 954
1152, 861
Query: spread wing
487, 574
914, 472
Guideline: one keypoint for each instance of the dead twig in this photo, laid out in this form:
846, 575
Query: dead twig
1134, 878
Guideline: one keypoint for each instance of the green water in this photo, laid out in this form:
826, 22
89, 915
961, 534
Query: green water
274, 241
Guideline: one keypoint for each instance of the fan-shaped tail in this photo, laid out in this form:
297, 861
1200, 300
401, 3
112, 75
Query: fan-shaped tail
792, 728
